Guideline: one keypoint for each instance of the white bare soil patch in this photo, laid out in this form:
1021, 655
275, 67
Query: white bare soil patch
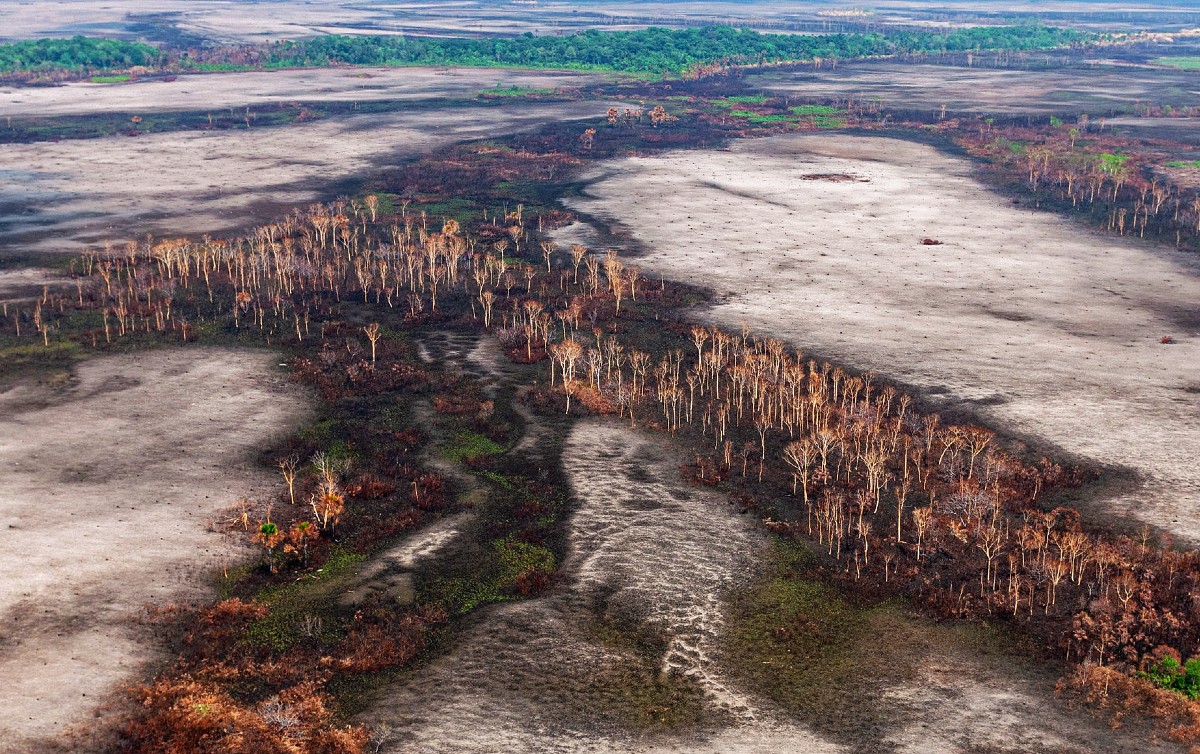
62, 197
28, 282
960, 702
1048, 329
983, 90
251, 21
535, 677
110, 487
258, 89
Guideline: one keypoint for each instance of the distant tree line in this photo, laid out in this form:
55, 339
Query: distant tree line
653, 50
77, 54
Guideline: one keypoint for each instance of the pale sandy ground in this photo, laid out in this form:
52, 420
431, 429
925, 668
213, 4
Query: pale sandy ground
642, 545
647, 546
1045, 328
259, 89
245, 21
28, 282
66, 196
985, 90
109, 487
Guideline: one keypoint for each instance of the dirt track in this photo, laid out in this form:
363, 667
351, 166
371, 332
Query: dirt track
1044, 328
110, 486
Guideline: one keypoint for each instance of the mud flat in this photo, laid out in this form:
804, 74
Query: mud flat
66, 196
1046, 329
110, 486
258, 89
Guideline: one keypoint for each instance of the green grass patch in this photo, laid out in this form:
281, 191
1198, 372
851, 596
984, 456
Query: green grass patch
467, 444
824, 122
759, 118
819, 116
1195, 164
632, 690
460, 209
1183, 63
30, 357
496, 578
504, 482
749, 99
291, 605
515, 91
810, 110
114, 79
820, 656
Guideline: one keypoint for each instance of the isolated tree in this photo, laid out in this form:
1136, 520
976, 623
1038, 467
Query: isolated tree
800, 455
289, 467
488, 299
977, 440
922, 520
374, 333
578, 252
269, 537
299, 537
901, 495
613, 269
548, 248
328, 507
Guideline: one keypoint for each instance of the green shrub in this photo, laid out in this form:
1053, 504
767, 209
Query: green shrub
1167, 673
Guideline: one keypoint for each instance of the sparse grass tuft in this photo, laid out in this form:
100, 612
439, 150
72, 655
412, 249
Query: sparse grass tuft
466, 445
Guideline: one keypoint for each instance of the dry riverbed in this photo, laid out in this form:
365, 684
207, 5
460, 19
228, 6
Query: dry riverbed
1044, 328
628, 652
112, 483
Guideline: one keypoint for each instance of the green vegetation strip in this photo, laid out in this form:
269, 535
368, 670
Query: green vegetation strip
467, 444
1182, 63
647, 51
514, 91
818, 116
77, 53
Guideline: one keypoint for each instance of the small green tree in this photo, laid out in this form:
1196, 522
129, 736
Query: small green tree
269, 537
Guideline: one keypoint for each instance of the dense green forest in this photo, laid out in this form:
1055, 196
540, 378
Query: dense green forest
651, 50
76, 54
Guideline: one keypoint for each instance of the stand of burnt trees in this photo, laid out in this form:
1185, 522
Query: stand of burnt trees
892, 497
